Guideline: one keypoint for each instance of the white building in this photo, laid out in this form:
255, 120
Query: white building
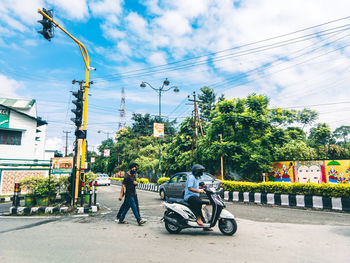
22, 132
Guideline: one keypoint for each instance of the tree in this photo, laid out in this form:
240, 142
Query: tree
342, 132
307, 117
178, 151
320, 135
246, 137
143, 125
294, 150
207, 102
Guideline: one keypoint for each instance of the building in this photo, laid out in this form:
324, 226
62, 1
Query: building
22, 132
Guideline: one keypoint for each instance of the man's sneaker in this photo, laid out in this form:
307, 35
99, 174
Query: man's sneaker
142, 221
116, 219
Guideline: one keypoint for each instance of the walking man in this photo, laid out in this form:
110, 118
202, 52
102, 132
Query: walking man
124, 203
129, 184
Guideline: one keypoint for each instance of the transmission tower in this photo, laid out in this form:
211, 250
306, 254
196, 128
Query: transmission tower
122, 121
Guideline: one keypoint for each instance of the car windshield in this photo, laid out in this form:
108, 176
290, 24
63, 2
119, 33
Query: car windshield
207, 177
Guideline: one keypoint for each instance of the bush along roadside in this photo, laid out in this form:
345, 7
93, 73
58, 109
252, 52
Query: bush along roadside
324, 196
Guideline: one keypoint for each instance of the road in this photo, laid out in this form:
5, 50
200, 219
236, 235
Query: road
265, 234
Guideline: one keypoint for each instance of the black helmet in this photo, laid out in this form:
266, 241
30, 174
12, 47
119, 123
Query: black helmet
197, 170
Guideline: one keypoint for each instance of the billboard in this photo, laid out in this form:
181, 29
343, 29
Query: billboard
62, 165
158, 130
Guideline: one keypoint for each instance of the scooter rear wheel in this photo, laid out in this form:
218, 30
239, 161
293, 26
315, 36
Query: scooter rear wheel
172, 229
228, 226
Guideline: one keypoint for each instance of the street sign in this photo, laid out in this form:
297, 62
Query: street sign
107, 153
158, 130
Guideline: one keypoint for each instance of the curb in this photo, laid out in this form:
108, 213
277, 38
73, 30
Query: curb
21, 210
147, 187
301, 201
8, 199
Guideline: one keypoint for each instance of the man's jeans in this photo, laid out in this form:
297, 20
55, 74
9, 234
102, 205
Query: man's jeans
130, 202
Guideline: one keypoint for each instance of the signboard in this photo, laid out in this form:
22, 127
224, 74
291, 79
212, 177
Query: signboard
158, 130
62, 165
4, 118
106, 152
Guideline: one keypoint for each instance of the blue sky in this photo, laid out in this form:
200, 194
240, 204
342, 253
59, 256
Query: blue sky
295, 52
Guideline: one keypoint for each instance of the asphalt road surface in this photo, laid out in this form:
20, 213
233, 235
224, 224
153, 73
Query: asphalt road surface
265, 234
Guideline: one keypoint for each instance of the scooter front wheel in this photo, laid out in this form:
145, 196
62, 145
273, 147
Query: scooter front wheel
227, 226
171, 228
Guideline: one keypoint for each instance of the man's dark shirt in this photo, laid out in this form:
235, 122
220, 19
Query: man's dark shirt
130, 187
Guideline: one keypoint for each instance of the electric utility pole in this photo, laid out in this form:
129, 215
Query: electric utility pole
66, 148
196, 123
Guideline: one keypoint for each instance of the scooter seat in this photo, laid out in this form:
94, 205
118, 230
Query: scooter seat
178, 201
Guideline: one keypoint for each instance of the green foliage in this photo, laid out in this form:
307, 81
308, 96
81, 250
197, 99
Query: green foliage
117, 179
294, 150
320, 135
41, 186
162, 180
90, 177
326, 190
142, 180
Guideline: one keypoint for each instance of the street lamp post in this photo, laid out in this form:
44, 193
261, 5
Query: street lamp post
161, 89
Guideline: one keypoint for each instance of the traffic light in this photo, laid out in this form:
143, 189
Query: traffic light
78, 111
47, 30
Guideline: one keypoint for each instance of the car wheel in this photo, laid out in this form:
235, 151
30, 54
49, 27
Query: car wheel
162, 194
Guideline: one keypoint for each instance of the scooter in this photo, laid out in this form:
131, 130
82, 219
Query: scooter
178, 215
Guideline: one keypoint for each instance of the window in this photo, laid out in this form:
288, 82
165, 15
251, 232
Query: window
174, 179
183, 178
10, 137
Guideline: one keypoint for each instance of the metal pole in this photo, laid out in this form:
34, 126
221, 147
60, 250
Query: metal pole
160, 150
222, 160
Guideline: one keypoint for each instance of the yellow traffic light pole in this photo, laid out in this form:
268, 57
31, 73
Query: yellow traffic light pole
81, 163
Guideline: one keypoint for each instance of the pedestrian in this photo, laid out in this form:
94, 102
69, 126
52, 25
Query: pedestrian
129, 184
124, 203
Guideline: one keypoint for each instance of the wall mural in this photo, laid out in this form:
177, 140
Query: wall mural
338, 171
317, 171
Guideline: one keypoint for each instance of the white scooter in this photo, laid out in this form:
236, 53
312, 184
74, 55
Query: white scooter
178, 215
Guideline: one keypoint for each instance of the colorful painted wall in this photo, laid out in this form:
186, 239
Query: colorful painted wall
317, 171
338, 171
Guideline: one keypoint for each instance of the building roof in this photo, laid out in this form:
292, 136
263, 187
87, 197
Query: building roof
17, 103
38, 120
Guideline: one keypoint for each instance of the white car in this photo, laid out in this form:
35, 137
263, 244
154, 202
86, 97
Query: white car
103, 179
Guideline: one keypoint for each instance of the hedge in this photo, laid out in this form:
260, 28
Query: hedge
162, 180
139, 180
326, 190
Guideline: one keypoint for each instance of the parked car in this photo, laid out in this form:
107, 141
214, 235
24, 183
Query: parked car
175, 186
103, 179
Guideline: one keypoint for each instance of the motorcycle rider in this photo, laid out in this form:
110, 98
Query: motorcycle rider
192, 192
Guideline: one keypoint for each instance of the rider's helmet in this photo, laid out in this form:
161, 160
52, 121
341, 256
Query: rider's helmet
197, 170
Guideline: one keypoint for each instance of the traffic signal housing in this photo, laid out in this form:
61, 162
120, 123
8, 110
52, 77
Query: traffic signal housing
78, 112
47, 30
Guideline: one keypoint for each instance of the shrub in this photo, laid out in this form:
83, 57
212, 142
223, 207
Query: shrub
90, 177
162, 180
326, 190
117, 179
142, 180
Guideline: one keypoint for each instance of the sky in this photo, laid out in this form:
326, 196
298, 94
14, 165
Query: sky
295, 52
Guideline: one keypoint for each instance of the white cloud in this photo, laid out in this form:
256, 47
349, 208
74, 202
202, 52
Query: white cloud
77, 9
9, 87
54, 143
158, 58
